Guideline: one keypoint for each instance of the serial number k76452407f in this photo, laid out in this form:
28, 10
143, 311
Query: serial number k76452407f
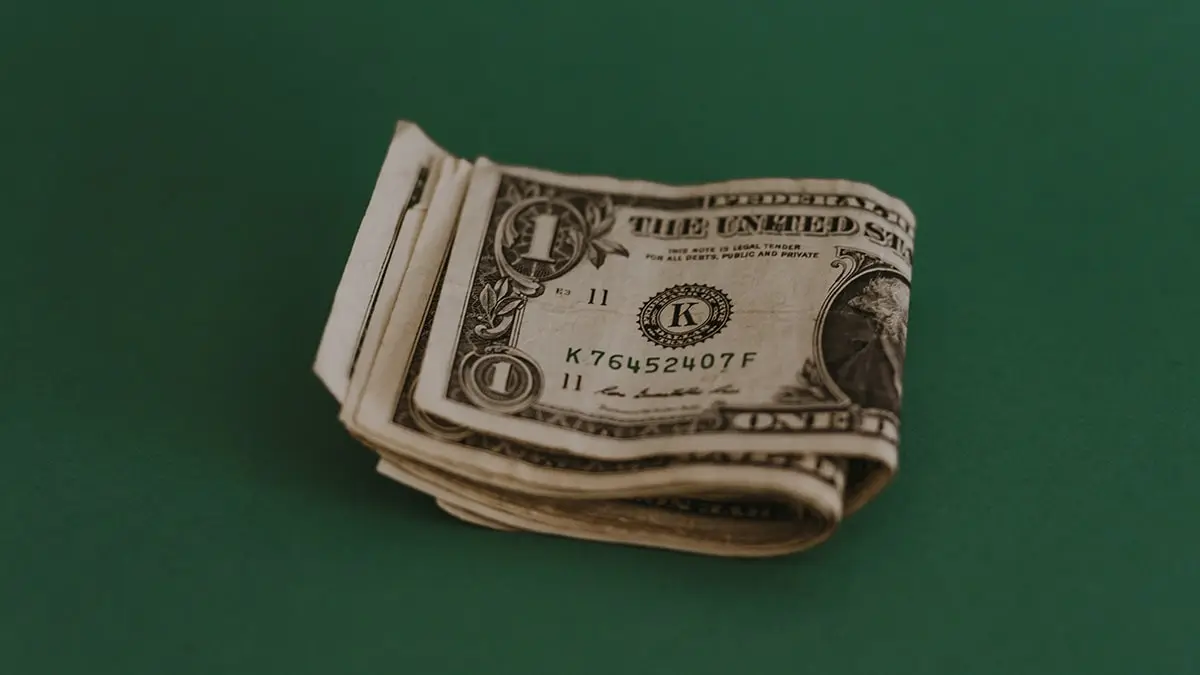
720, 362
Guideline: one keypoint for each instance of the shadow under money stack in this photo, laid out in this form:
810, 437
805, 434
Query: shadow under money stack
711, 368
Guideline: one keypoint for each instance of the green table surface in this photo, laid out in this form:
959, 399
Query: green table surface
181, 185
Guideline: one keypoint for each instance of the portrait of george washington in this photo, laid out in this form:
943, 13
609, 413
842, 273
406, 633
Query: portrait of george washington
863, 339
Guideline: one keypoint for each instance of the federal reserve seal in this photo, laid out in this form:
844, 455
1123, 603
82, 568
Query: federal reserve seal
684, 315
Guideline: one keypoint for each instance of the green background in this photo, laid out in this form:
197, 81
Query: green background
181, 185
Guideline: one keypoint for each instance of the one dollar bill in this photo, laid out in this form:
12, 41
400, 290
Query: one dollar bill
713, 368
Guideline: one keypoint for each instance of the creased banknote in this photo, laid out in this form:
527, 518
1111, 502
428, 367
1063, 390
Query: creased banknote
711, 368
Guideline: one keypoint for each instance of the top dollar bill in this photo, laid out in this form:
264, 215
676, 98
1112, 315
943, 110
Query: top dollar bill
619, 319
